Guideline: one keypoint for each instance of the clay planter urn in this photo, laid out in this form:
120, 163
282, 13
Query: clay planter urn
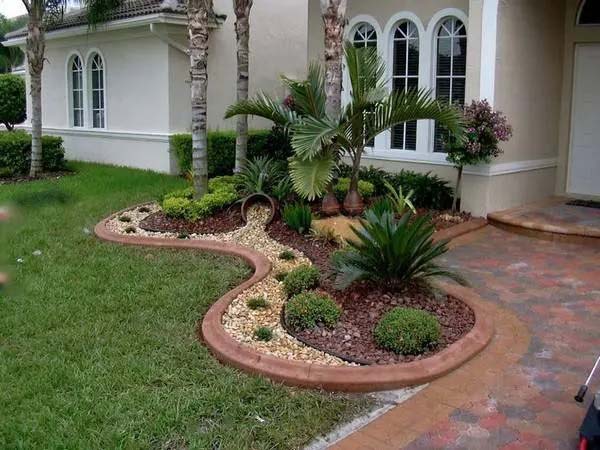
330, 205
260, 197
353, 203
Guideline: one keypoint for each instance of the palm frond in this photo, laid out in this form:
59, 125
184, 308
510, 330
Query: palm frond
309, 95
366, 71
311, 134
265, 107
311, 177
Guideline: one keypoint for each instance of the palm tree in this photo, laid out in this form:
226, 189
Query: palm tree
242, 32
10, 57
319, 139
333, 13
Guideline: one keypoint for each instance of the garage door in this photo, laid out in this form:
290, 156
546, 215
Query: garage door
584, 167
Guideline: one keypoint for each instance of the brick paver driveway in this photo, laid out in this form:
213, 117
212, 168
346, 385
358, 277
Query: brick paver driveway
555, 289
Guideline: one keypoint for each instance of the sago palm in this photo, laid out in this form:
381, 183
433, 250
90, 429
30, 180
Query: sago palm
318, 139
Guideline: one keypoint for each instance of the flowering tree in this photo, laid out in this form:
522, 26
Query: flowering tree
485, 129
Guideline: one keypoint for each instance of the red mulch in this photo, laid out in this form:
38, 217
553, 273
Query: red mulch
364, 303
224, 221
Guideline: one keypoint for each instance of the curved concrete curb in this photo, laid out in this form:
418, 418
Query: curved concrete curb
295, 373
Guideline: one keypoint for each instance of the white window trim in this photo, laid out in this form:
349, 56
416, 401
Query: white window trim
578, 19
88, 75
69, 84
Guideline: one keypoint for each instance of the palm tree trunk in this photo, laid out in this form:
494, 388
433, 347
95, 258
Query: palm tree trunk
457, 190
198, 14
334, 20
242, 31
35, 60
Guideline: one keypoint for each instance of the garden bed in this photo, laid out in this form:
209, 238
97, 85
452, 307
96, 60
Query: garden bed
42, 176
223, 221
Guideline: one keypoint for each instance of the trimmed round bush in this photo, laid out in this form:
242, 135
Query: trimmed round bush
407, 331
13, 108
302, 278
307, 310
263, 334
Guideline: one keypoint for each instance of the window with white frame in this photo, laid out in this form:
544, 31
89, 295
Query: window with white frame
365, 36
405, 76
451, 68
589, 13
76, 84
97, 92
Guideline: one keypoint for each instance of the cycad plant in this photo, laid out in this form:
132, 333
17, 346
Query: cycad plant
392, 250
319, 139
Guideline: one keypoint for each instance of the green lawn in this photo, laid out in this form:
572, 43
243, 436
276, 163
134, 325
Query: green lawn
97, 343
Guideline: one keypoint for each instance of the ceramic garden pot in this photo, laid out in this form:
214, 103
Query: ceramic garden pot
260, 198
353, 203
330, 205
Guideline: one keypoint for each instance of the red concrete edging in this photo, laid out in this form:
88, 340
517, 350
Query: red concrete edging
296, 373
460, 229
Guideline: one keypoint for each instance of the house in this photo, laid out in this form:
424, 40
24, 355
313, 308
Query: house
116, 93
538, 61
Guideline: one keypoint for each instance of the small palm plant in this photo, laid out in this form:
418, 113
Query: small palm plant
319, 140
392, 250
398, 200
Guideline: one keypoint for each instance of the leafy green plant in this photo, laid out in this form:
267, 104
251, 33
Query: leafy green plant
259, 175
407, 331
365, 188
399, 201
13, 107
130, 229
15, 153
263, 334
382, 206
124, 218
144, 209
392, 250
287, 255
257, 303
283, 189
309, 309
326, 234
221, 149
301, 279
298, 217
280, 276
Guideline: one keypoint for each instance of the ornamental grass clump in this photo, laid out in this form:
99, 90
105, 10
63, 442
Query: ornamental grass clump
257, 303
407, 331
302, 278
391, 250
264, 334
310, 309
298, 217
485, 129
287, 255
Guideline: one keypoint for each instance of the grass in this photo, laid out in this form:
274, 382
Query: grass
97, 341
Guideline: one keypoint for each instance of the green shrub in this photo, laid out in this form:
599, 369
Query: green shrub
298, 217
130, 229
15, 153
221, 193
309, 309
392, 250
260, 175
381, 206
301, 279
280, 276
124, 219
263, 334
365, 188
221, 149
430, 191
287, 255
407, 331
13, 107
257, 303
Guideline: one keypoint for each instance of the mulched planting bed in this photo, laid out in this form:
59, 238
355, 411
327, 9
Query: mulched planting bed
223, 222
445, 219
364, 304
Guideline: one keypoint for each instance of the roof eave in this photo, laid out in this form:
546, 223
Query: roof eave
121, 24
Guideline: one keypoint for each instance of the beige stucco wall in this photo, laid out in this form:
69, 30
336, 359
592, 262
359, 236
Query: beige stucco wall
572, 36
529, 63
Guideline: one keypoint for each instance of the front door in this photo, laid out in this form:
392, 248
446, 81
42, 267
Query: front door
584, 163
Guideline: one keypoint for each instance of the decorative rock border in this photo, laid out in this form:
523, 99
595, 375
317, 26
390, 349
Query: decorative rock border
295, 373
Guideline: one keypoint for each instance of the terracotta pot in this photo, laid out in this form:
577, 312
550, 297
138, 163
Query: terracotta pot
353, 203
330, 205
260, 198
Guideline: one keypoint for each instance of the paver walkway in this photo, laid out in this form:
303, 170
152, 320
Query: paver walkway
553, 288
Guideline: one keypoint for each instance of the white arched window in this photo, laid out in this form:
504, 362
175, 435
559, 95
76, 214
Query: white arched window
76, 97
589, 13
97, 91
364, 35
451, 67
405, 76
